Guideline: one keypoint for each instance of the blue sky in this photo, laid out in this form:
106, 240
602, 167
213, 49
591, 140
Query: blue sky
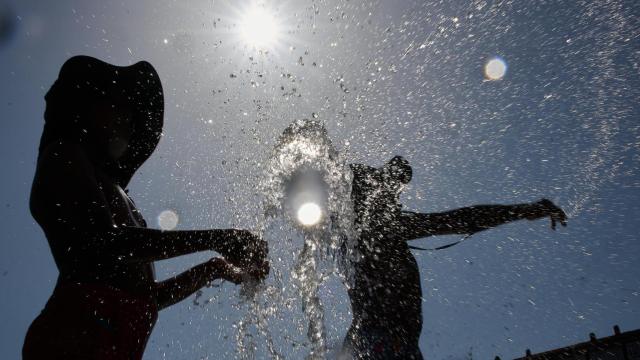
386, 78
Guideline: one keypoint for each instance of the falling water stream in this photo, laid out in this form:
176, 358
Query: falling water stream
305, 175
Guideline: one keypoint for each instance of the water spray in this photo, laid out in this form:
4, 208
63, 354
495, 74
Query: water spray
307, 187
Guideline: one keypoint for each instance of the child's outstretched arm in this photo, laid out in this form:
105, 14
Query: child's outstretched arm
470, 220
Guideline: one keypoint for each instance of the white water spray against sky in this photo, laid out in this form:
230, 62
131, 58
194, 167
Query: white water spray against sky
555, 117
304, 168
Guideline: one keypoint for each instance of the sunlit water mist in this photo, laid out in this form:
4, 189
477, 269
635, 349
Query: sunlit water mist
308, 224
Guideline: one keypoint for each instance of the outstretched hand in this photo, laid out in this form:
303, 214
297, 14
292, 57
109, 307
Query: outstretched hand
222, 269
248, 252
546, 207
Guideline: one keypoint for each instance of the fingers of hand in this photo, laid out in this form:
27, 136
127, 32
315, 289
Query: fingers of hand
248, 254
227, 271
232, 273
261, 270
257, 252
556, 214
558, 217
563, 219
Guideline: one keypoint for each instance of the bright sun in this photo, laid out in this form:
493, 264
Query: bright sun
259, 27
309, 214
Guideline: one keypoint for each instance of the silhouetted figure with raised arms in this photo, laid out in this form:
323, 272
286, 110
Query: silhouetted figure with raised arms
386, 299
101, 123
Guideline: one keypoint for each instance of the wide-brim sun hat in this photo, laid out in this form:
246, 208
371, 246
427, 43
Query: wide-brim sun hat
83, 79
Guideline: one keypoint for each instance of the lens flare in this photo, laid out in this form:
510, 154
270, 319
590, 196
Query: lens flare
168, 220
495, 69
309, 214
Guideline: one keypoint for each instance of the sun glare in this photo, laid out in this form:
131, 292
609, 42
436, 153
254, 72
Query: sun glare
309, 214
259, 27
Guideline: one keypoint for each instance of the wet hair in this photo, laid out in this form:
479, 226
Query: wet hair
399, 169
376, 191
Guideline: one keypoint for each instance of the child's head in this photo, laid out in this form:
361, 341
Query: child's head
114, 111
376, 191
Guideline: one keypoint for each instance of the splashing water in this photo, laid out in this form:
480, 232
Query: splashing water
601, 164
557, 126
304, 172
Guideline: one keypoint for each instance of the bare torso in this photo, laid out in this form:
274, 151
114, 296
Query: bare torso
387, 296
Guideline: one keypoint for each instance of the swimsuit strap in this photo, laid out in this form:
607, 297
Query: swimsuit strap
440, 247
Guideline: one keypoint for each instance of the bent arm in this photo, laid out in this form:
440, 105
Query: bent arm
134, 244
178, 288
473, 219
69, 204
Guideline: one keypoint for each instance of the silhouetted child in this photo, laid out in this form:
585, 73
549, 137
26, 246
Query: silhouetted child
386, 300
101, 123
